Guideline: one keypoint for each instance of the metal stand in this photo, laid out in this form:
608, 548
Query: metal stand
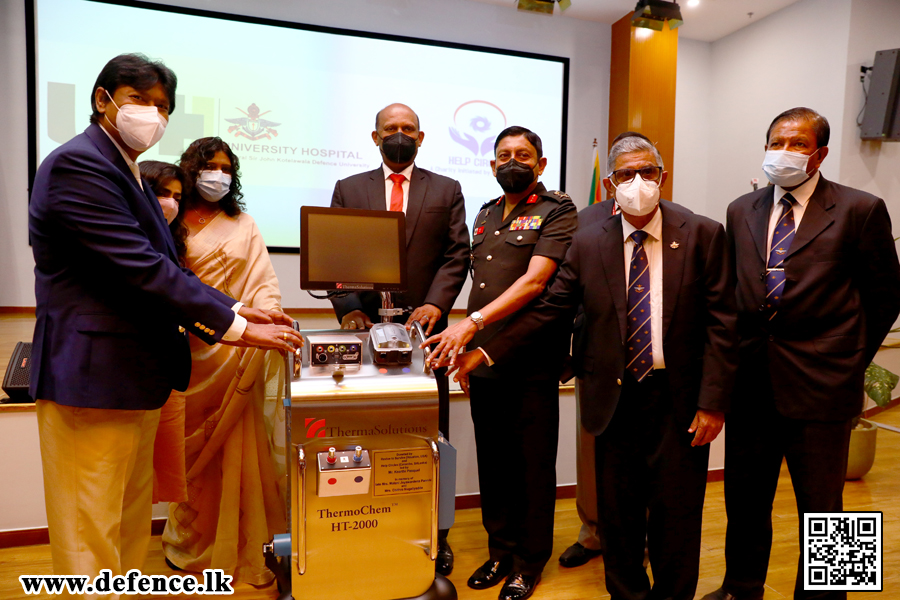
387, 310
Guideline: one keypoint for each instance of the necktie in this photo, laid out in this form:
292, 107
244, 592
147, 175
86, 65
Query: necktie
397, 191
781, 243
639, 352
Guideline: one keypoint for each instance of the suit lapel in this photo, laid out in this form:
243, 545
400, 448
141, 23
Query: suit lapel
143, 197
111, 153
418, 185
611, 247
815, 218
165, 232
674, 250
375, 190
758, 221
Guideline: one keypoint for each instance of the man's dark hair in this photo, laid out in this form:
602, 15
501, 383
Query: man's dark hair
515, 131
158, 174
819, 123
194, 160
139, 72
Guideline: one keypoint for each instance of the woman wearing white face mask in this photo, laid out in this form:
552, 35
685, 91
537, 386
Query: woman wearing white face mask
169, 183
230, 462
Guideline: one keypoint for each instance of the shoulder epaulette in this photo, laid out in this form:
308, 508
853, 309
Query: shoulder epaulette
557, 195
488, 203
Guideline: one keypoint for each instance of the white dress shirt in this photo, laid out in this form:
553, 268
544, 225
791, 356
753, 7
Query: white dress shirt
653, 248
389, 186
802, 195
239, 324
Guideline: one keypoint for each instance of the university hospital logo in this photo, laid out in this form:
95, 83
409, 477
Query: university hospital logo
260, 143
251, 126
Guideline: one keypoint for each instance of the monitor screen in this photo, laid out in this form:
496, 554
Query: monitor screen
297, 102
348, 249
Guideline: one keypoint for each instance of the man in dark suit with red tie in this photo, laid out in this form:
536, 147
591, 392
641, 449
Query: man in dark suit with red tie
656, 367
818, 288
437, 243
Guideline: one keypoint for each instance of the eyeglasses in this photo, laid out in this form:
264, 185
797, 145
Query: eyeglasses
626, 175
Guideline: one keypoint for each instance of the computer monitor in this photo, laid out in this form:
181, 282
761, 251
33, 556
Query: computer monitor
347, 249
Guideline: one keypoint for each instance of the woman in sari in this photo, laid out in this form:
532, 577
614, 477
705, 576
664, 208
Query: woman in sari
233, 453
168, 182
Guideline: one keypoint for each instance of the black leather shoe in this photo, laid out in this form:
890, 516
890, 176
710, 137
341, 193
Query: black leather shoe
721, 594
443, 564
490, 574
519, 586
577, 555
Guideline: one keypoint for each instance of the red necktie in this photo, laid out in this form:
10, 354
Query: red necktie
397, 192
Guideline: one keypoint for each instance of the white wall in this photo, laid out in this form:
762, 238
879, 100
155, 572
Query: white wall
693, 105
794, 57
16, 262
870, 166
585, 43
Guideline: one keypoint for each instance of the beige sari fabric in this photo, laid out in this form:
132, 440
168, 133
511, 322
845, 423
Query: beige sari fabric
233, 422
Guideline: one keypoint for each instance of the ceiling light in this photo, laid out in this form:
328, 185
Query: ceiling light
653, 13
542, 6
693, 3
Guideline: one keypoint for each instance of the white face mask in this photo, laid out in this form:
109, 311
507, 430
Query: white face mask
638, 197
213, 185
140, 126
786, 168
169, 208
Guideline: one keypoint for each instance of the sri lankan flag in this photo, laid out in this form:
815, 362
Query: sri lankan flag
596, 179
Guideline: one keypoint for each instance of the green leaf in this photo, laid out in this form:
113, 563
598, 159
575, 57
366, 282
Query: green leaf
879, 384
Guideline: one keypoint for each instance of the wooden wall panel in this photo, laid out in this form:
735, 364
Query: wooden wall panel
643, 67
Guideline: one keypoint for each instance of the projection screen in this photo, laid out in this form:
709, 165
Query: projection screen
297, 103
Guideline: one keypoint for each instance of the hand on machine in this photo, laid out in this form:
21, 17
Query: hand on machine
268, 329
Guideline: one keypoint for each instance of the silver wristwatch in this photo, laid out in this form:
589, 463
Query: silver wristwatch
477, 319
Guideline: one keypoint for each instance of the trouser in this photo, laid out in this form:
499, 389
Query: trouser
516, 436
98, 486
586, 479
755, 444
650, 485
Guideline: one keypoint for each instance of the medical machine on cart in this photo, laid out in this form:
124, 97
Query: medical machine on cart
367, 467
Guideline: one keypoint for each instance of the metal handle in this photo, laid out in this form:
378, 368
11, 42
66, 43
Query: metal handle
301, 509
295, 367
420, 333
435, 497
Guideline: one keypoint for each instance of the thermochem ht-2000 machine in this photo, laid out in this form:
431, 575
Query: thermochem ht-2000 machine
365, 455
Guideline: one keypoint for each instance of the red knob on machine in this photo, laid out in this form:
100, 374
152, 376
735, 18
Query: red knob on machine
331, 457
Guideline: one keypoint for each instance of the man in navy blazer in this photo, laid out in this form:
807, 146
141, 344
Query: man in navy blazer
112, 308
653, 388
818, 288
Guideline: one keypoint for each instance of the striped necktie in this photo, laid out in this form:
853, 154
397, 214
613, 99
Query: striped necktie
781, 243
639, 350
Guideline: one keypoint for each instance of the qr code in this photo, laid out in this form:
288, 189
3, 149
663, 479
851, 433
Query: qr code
842, 551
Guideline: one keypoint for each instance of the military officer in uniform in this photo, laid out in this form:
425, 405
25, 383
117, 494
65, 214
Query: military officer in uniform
519, 240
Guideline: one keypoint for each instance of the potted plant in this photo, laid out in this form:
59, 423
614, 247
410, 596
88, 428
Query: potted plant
879, 383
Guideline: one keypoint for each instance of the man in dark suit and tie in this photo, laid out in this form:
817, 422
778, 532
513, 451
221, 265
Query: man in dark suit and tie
437, 243
818, 288
587, 546
656, 367
112, 308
